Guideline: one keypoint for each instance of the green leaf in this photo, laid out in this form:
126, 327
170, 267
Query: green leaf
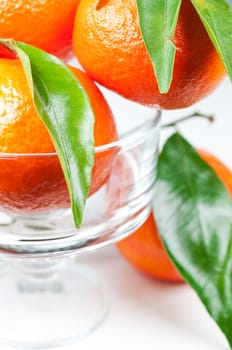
194, 215
158, 21
216, 15
64, 107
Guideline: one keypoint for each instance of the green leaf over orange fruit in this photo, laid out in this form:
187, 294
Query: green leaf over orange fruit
64, 107
194, 215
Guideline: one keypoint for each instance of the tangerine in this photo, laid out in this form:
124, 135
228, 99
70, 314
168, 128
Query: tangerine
108, 43
31, 181
46, 24
143, 248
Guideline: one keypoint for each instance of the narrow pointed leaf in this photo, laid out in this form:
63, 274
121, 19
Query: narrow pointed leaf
64, 107
194, 215
158, 21
216, 15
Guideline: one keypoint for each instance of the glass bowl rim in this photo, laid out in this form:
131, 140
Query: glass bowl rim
140, 131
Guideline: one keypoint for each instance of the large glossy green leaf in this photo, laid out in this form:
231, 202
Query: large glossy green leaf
158, 23
64, 107
194, 215
216, 15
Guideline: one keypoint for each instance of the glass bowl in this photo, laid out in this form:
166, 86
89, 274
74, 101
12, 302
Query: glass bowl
46, 299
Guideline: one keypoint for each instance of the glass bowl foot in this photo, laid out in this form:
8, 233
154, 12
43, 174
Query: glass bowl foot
48, 312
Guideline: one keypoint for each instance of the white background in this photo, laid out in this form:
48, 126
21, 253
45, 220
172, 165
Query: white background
148, 314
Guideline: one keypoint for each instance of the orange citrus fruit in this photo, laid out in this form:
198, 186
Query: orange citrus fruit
108, 43
46, 24
143, 248
36, 182
219, 168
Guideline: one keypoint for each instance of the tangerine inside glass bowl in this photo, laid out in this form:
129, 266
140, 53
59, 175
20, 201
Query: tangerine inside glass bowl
47, 300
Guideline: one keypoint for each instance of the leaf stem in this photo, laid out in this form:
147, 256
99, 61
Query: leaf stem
210, 118
9, 44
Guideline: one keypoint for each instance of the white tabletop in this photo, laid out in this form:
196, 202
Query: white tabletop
148, 314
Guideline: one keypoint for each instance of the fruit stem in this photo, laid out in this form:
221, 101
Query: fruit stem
172, 124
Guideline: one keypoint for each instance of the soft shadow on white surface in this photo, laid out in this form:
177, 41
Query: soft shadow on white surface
144, 311
146, 314
151, 315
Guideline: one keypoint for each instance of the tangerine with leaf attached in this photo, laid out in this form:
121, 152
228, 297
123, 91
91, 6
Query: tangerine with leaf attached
108, 43
31, 178
143, 248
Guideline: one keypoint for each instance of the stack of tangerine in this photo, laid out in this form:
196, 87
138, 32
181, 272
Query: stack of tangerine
107, 42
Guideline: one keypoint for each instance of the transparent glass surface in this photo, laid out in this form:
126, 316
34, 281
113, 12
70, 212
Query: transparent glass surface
38, 239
